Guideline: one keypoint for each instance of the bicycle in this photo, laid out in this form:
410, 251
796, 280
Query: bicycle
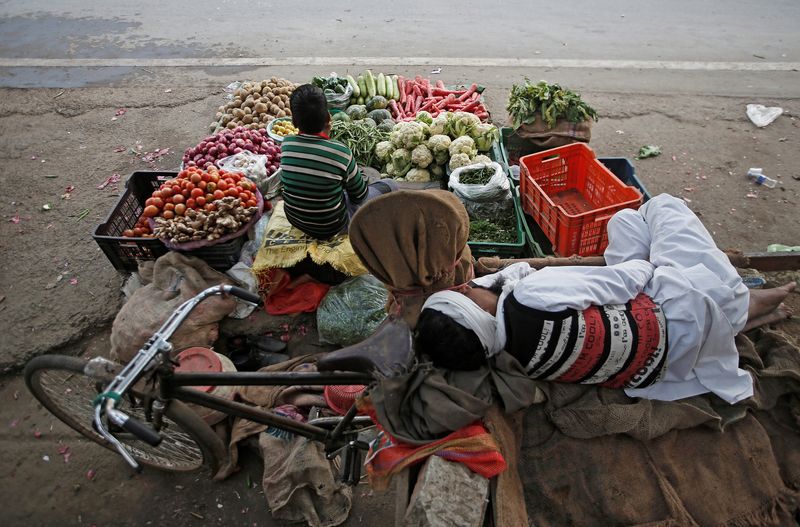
158, 429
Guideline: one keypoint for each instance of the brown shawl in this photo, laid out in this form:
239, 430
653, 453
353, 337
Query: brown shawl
415, 242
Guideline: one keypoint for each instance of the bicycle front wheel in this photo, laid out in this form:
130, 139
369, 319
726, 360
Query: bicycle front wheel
59, 383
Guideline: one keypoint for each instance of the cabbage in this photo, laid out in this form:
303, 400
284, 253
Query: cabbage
421, 157
356, 112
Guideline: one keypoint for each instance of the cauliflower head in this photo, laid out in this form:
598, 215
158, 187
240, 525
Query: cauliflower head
462, 145
408, 134
424, 117
383, 151
439, 143
485, 136
421, 157
439, 124
481, 159
459, 160
418, 174
401, 161
461, 123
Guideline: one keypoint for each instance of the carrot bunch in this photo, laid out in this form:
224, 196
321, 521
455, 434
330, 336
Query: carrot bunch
418, 94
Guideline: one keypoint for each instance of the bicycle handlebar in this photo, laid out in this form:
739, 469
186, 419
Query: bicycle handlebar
244, 294
158, 343
134, 426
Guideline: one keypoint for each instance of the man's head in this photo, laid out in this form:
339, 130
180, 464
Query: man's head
458, 331
309, 109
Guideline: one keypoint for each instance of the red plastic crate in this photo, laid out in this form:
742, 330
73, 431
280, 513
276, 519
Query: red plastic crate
571, 195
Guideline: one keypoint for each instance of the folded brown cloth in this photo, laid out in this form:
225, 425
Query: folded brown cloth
415, 242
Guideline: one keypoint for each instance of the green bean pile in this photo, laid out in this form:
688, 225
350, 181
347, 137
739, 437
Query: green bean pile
360, 137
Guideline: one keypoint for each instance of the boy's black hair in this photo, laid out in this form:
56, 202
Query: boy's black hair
495, 287
447, 343
309, 109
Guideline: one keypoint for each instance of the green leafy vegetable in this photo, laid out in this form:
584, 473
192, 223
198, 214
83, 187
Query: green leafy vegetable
502, 230
548, 101
332, 83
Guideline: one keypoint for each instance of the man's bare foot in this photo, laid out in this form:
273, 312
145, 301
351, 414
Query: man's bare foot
782, 312
765, 301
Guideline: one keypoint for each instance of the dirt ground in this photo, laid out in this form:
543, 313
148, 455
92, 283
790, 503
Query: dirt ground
59, 293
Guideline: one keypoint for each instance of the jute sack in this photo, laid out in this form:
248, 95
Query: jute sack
539, 136
170, 281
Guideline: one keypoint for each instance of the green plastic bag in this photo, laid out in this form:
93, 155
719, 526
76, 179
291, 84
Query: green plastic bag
352, 310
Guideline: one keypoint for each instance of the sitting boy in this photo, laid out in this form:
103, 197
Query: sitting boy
322, 185
658, 320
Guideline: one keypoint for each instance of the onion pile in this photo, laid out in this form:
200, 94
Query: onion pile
229, 142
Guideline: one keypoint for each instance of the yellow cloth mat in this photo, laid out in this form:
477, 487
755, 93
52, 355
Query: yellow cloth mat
285, 246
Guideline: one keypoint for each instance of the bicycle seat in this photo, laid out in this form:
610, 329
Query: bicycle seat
388, 351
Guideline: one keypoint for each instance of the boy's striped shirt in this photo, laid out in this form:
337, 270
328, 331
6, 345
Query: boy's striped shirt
315, 173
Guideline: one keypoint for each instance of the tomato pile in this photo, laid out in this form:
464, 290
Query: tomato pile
194, 189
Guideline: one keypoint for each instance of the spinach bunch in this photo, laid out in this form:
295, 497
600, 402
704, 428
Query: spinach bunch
550, 101
502, 230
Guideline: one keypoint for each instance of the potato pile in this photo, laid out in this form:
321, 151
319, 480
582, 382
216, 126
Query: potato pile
255, 104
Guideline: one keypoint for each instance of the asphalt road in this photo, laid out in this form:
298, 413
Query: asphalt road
705, 47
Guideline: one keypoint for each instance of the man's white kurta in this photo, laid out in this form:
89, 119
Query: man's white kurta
664, 251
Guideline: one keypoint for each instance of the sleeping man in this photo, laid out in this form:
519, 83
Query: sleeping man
658, 320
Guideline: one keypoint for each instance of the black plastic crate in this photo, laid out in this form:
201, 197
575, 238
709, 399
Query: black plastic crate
125, 253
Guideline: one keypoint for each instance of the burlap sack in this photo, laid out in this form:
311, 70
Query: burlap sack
170, 281
540, 137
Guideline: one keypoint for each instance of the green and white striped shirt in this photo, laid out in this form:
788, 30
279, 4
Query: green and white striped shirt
316, 172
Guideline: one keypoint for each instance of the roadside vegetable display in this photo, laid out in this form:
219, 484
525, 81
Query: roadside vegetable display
410, 129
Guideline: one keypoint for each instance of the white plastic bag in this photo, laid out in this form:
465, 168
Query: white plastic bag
243, 275
253, 166
484, 202
761, 115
